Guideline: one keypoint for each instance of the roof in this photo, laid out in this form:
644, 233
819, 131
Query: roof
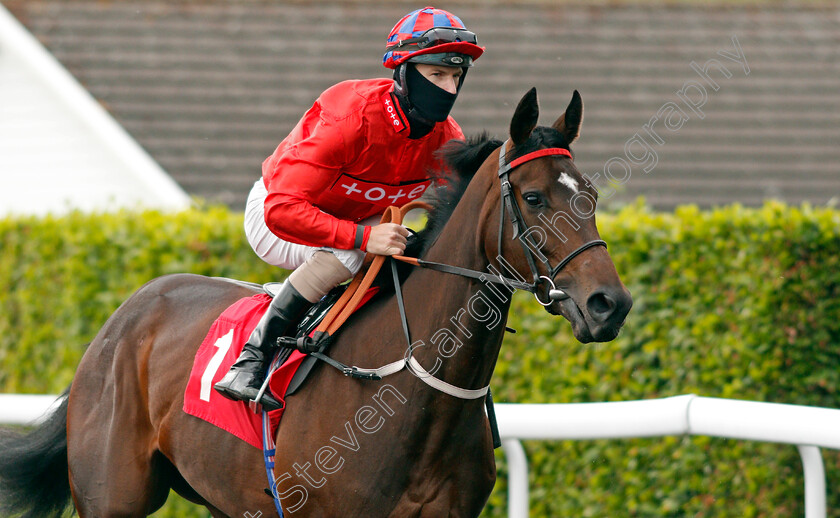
210, 87
59, 149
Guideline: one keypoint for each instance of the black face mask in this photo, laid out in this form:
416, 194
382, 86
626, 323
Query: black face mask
430, 101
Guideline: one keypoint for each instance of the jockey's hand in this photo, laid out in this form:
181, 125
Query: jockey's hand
387, 239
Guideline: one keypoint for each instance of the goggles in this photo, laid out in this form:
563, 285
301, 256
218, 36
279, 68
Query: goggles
437, 36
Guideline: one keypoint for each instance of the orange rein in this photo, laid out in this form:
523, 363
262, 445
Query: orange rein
358, 287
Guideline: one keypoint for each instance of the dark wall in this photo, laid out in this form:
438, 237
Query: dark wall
209, 88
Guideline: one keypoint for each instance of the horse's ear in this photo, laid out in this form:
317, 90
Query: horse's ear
525, 118
570, 122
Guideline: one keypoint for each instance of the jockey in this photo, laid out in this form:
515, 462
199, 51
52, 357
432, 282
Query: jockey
363, 145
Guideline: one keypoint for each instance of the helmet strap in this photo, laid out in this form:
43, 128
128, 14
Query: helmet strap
464, 71
400, 85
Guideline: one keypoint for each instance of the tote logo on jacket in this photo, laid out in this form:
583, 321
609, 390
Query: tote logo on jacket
378, 193
393, 111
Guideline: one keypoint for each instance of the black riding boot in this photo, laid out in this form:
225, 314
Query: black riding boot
245, 378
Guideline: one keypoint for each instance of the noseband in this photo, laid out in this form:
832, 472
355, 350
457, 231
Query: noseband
508, 201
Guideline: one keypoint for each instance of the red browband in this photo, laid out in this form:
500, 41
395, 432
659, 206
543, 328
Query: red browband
540, 153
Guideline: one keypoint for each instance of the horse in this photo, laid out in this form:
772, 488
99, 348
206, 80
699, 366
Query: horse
119, 440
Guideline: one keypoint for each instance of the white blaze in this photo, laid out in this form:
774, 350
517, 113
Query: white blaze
568, 181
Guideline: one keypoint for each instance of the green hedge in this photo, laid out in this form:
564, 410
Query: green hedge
63, 277
735, 302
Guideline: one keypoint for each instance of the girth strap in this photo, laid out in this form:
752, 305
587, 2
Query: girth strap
362, 373
426, 377
414, 366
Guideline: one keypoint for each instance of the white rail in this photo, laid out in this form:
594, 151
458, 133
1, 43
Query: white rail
24, 408
809, 428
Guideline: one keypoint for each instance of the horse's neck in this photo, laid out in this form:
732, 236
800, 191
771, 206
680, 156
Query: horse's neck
468, 318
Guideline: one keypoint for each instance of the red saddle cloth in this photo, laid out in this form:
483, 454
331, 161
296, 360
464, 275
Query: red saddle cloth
218, 351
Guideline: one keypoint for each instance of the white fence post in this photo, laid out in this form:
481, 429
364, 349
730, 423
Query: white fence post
812, 465
518, 503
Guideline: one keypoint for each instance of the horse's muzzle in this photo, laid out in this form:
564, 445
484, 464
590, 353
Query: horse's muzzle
605, 312
597, 318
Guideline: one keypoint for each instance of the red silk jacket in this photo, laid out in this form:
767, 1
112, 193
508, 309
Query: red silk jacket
347, 159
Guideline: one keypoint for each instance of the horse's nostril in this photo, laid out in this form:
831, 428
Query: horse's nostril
600, 306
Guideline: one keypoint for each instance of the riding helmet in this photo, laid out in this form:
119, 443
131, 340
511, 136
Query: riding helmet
432, 36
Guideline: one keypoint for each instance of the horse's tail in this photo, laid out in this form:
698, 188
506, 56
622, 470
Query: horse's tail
33, 468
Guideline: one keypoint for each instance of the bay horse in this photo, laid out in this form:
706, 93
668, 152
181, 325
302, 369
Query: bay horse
119, 441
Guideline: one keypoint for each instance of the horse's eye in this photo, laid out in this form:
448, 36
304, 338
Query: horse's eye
533, 199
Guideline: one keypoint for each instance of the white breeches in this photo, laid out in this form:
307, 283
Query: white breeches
282, 253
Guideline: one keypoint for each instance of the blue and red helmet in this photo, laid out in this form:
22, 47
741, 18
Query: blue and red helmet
431, 36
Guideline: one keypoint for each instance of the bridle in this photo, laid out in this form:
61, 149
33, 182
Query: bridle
508, 201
